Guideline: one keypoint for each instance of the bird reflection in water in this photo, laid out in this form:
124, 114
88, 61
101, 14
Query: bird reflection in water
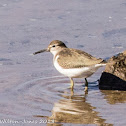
75, 109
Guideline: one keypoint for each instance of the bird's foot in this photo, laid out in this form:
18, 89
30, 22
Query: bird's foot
86, 90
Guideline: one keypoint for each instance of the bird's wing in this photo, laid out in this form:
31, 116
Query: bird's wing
72, 58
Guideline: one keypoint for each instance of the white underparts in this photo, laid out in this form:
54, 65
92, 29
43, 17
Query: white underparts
83, 72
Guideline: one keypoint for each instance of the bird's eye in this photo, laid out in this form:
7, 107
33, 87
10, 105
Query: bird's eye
53, 46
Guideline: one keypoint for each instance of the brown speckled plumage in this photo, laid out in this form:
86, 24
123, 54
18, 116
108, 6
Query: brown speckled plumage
73, 58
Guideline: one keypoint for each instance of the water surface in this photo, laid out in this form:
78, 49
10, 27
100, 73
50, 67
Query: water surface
32, 92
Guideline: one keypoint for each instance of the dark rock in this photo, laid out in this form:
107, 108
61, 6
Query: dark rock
111, 82
114, 76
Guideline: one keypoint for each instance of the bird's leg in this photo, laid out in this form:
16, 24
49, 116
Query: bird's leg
72, 93
72, 83
86, 85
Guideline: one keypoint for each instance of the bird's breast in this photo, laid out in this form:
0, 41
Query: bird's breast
73, 72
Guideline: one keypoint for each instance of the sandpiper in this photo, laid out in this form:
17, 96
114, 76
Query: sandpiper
73, 63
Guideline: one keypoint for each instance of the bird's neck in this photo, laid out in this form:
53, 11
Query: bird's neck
55, 52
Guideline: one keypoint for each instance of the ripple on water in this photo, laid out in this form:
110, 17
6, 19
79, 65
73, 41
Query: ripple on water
33, 97
50, 98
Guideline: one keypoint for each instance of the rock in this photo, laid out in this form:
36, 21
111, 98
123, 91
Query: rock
111, 82
114, 76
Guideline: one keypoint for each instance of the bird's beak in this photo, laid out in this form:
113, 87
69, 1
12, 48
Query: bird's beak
41, 51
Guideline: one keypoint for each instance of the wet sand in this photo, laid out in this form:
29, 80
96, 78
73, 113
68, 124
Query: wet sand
30, 87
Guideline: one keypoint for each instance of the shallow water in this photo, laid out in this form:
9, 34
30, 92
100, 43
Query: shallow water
32, 92
50, 99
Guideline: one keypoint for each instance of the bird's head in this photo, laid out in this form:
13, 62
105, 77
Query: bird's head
54, 47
